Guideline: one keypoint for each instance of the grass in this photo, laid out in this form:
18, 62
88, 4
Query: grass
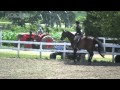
22, 54
45, 55
97, 57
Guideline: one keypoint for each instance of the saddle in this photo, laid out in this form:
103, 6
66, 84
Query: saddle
78, 38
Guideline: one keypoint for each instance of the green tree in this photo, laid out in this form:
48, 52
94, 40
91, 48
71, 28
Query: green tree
103, 23
49, 18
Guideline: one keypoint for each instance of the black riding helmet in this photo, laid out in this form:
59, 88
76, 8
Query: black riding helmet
77, 22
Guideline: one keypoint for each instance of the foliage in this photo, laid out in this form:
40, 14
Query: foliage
80, 18
8, 35
102, 23
45, 17
34, 18
56, 36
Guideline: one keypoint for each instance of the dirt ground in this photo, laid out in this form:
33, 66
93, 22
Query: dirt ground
55, 69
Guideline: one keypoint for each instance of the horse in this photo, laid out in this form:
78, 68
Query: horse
86, 42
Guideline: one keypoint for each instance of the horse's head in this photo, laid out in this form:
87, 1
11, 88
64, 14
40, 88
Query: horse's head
63, 36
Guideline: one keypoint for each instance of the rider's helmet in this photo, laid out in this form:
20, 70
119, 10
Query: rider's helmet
77, 22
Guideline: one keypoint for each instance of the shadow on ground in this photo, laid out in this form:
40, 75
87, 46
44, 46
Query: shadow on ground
95, 63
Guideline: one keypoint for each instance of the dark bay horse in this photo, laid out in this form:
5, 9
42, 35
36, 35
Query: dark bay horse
87, 42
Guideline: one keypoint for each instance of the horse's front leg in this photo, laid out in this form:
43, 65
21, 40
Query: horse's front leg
74, 55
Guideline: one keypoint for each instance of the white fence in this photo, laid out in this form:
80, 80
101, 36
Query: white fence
18, 48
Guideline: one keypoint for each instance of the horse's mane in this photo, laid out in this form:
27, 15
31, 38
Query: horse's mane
70, 33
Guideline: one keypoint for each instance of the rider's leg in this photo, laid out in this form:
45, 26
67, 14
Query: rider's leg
75, 43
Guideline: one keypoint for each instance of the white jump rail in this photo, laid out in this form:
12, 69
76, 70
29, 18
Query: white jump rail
113, 46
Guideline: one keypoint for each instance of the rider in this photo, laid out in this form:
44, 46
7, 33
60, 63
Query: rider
30, 35
78, 33
40, 31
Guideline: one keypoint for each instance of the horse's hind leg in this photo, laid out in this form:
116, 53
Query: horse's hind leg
74, 55
90, 56
78, 57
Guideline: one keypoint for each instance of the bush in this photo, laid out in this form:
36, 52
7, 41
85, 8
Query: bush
9, 36
56, 36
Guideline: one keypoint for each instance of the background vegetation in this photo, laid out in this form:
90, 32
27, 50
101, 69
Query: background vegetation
94, 23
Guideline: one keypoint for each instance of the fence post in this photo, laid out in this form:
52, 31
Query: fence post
18, 49
40, 49
113, 50
104, 44
64, 53
0, 36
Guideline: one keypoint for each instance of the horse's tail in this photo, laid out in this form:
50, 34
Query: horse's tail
100, 46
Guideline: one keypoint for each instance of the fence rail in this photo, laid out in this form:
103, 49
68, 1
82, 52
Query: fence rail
18, 48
